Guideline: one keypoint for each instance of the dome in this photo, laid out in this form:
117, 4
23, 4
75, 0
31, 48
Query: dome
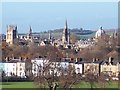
99, 33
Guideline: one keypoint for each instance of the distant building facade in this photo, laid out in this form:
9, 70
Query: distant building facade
13, 68
110, 67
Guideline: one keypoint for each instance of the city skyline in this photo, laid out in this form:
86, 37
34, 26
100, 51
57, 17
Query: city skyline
50, 15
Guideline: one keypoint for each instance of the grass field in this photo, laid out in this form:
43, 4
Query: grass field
113, 84
32, 85
18, 85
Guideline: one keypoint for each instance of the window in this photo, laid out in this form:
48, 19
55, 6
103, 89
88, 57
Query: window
110, 69
78, 70
104, 69
20, 69
88, 67
20, 73
35, 69
20, 64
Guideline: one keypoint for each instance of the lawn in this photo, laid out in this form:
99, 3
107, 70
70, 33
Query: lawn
32, 85
113, 84
18, 85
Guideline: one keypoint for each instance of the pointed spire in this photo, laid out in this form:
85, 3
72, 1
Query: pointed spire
7, 27
15, 27
101, 28
30, 30
66, 24
66, 34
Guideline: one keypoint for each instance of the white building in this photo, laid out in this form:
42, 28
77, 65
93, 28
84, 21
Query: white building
54, 67
14, 68
79, 68
38, 64
20, 69
84, 44
10, 69
100, 33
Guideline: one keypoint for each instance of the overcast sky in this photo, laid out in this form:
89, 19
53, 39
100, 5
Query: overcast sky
50, 15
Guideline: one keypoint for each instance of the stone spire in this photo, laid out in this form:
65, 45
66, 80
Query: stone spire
66, 34
29, 36
30, 30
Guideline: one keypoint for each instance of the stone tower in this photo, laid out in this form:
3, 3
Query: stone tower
66, 35
11, 34
29, 36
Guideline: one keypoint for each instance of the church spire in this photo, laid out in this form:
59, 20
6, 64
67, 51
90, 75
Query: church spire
29, 36
101, 28
66, 34
15, 27
30, 30
66, 24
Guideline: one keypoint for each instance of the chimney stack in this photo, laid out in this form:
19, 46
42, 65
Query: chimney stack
110, 58
7, 59
76, 59
20, 58
94, 60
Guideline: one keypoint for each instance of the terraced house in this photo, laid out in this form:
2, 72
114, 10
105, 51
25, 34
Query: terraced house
110, 67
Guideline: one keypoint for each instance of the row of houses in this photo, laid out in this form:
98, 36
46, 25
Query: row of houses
19, 68
13, 68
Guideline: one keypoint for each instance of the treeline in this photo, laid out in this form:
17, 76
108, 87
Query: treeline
105, 47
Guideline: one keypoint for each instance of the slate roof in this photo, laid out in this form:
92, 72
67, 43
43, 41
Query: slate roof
114, 62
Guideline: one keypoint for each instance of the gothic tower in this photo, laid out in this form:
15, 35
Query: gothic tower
66, 35
11, 34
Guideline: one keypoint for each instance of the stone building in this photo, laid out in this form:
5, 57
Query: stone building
11, 34
100, 33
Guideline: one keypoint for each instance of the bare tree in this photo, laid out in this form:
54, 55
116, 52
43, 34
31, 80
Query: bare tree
52, 76
69, 79
102, 80
91, 75
46, 75
91, 78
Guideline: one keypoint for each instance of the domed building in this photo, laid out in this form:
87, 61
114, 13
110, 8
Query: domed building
100, 33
